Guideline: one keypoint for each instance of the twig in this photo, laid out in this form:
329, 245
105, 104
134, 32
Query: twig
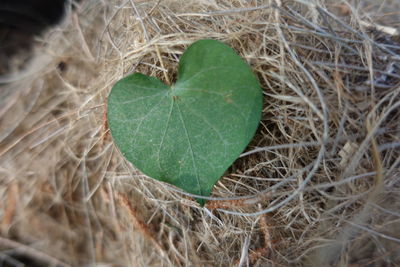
256, 254
388, 30
12, 196
146, 35
138, 224
162, 66
236, 203
225, 12
268, 148
32, 252
85, 46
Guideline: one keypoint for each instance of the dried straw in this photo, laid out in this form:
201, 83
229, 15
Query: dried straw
319, 185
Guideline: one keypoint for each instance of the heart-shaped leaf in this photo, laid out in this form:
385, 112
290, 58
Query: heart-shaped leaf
190, 133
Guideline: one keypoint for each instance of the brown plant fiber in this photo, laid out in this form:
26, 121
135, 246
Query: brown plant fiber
319, 185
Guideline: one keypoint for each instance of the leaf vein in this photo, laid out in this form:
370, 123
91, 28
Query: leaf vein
164, 133
211, 126
191, 149
142, 119
138, 99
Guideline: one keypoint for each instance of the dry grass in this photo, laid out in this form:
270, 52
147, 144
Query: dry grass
319, 185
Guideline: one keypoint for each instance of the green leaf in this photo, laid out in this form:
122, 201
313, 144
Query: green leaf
190, 133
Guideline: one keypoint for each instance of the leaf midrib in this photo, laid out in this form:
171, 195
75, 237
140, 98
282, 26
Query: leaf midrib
164, 134
191, 149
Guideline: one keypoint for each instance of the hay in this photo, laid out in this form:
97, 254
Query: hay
319, 184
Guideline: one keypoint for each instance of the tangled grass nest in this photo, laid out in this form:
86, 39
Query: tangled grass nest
319, 185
